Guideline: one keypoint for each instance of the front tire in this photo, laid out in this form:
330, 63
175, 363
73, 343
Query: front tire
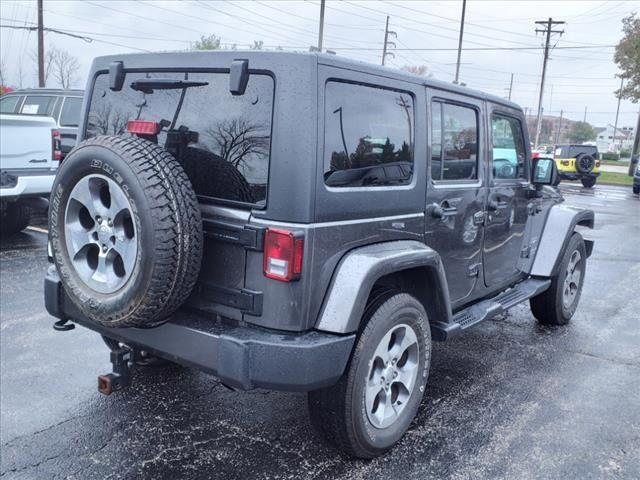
375, 400
557, 304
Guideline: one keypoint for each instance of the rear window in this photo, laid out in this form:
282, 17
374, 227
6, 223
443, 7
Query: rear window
38, 105
221, 140
9, 103
367, 136
70, 114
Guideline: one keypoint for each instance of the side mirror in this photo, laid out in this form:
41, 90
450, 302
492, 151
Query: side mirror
545, 172
238, 77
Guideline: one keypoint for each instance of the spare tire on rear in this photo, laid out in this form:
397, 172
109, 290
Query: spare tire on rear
126, 231
585, 163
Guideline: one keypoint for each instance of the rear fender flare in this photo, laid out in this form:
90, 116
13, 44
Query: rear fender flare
359, 270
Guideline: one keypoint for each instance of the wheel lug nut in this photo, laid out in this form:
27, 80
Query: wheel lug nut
395, 374
104, 248
110, 223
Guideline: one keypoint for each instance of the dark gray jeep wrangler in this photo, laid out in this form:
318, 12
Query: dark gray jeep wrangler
302, 222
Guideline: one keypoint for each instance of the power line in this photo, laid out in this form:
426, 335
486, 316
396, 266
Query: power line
476, 49
81, 37
47, 29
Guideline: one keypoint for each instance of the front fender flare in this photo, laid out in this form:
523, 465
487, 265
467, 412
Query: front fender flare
560, 224
358, 271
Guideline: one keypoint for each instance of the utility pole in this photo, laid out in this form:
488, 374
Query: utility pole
635, 151
40, 46
559, 127
387, 32
321, 29
402, 103
584, 119
615, 126
510, 86
548, 31
464, 6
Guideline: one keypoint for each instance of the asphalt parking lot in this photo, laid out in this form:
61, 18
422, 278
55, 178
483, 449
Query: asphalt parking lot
508, 399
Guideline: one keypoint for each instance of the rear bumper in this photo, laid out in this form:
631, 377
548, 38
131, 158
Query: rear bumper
29, 185
243, 357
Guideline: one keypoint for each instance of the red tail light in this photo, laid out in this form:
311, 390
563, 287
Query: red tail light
282, 255
56, 145
535, 155
142, 127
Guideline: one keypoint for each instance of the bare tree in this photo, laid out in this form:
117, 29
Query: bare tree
65, 67
238, 138
48, 62
106, 121
60, 64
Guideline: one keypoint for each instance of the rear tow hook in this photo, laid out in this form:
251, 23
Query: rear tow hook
122, 360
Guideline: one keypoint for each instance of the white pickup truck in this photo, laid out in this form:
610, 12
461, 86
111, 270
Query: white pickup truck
29, 157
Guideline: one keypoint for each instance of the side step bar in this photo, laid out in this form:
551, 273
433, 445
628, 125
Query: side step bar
491, 307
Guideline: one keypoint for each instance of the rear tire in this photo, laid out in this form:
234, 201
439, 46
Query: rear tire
352, 414
588, 182
557, 304
142, 266
14, 217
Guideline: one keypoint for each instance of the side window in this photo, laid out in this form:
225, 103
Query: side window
454, 142
368, 136
38, 105
9, 103
70, 115
507, 148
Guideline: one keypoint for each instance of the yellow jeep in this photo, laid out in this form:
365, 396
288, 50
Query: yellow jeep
578, 162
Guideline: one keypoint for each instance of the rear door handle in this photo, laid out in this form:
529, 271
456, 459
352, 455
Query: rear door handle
496, 205
438, 211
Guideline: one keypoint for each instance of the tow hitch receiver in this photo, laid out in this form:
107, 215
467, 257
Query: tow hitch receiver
121, 359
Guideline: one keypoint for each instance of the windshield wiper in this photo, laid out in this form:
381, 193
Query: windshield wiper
148, 85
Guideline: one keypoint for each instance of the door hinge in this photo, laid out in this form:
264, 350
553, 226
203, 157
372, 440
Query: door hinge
474, 270
525, 252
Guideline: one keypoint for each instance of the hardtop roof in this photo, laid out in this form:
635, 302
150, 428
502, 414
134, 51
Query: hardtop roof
298, 59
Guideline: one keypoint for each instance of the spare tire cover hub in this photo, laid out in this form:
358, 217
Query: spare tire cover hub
100, 233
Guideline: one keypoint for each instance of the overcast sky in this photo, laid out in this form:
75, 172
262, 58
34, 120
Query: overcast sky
577, 77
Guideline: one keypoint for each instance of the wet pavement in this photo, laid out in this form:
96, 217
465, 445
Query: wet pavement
508, 399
